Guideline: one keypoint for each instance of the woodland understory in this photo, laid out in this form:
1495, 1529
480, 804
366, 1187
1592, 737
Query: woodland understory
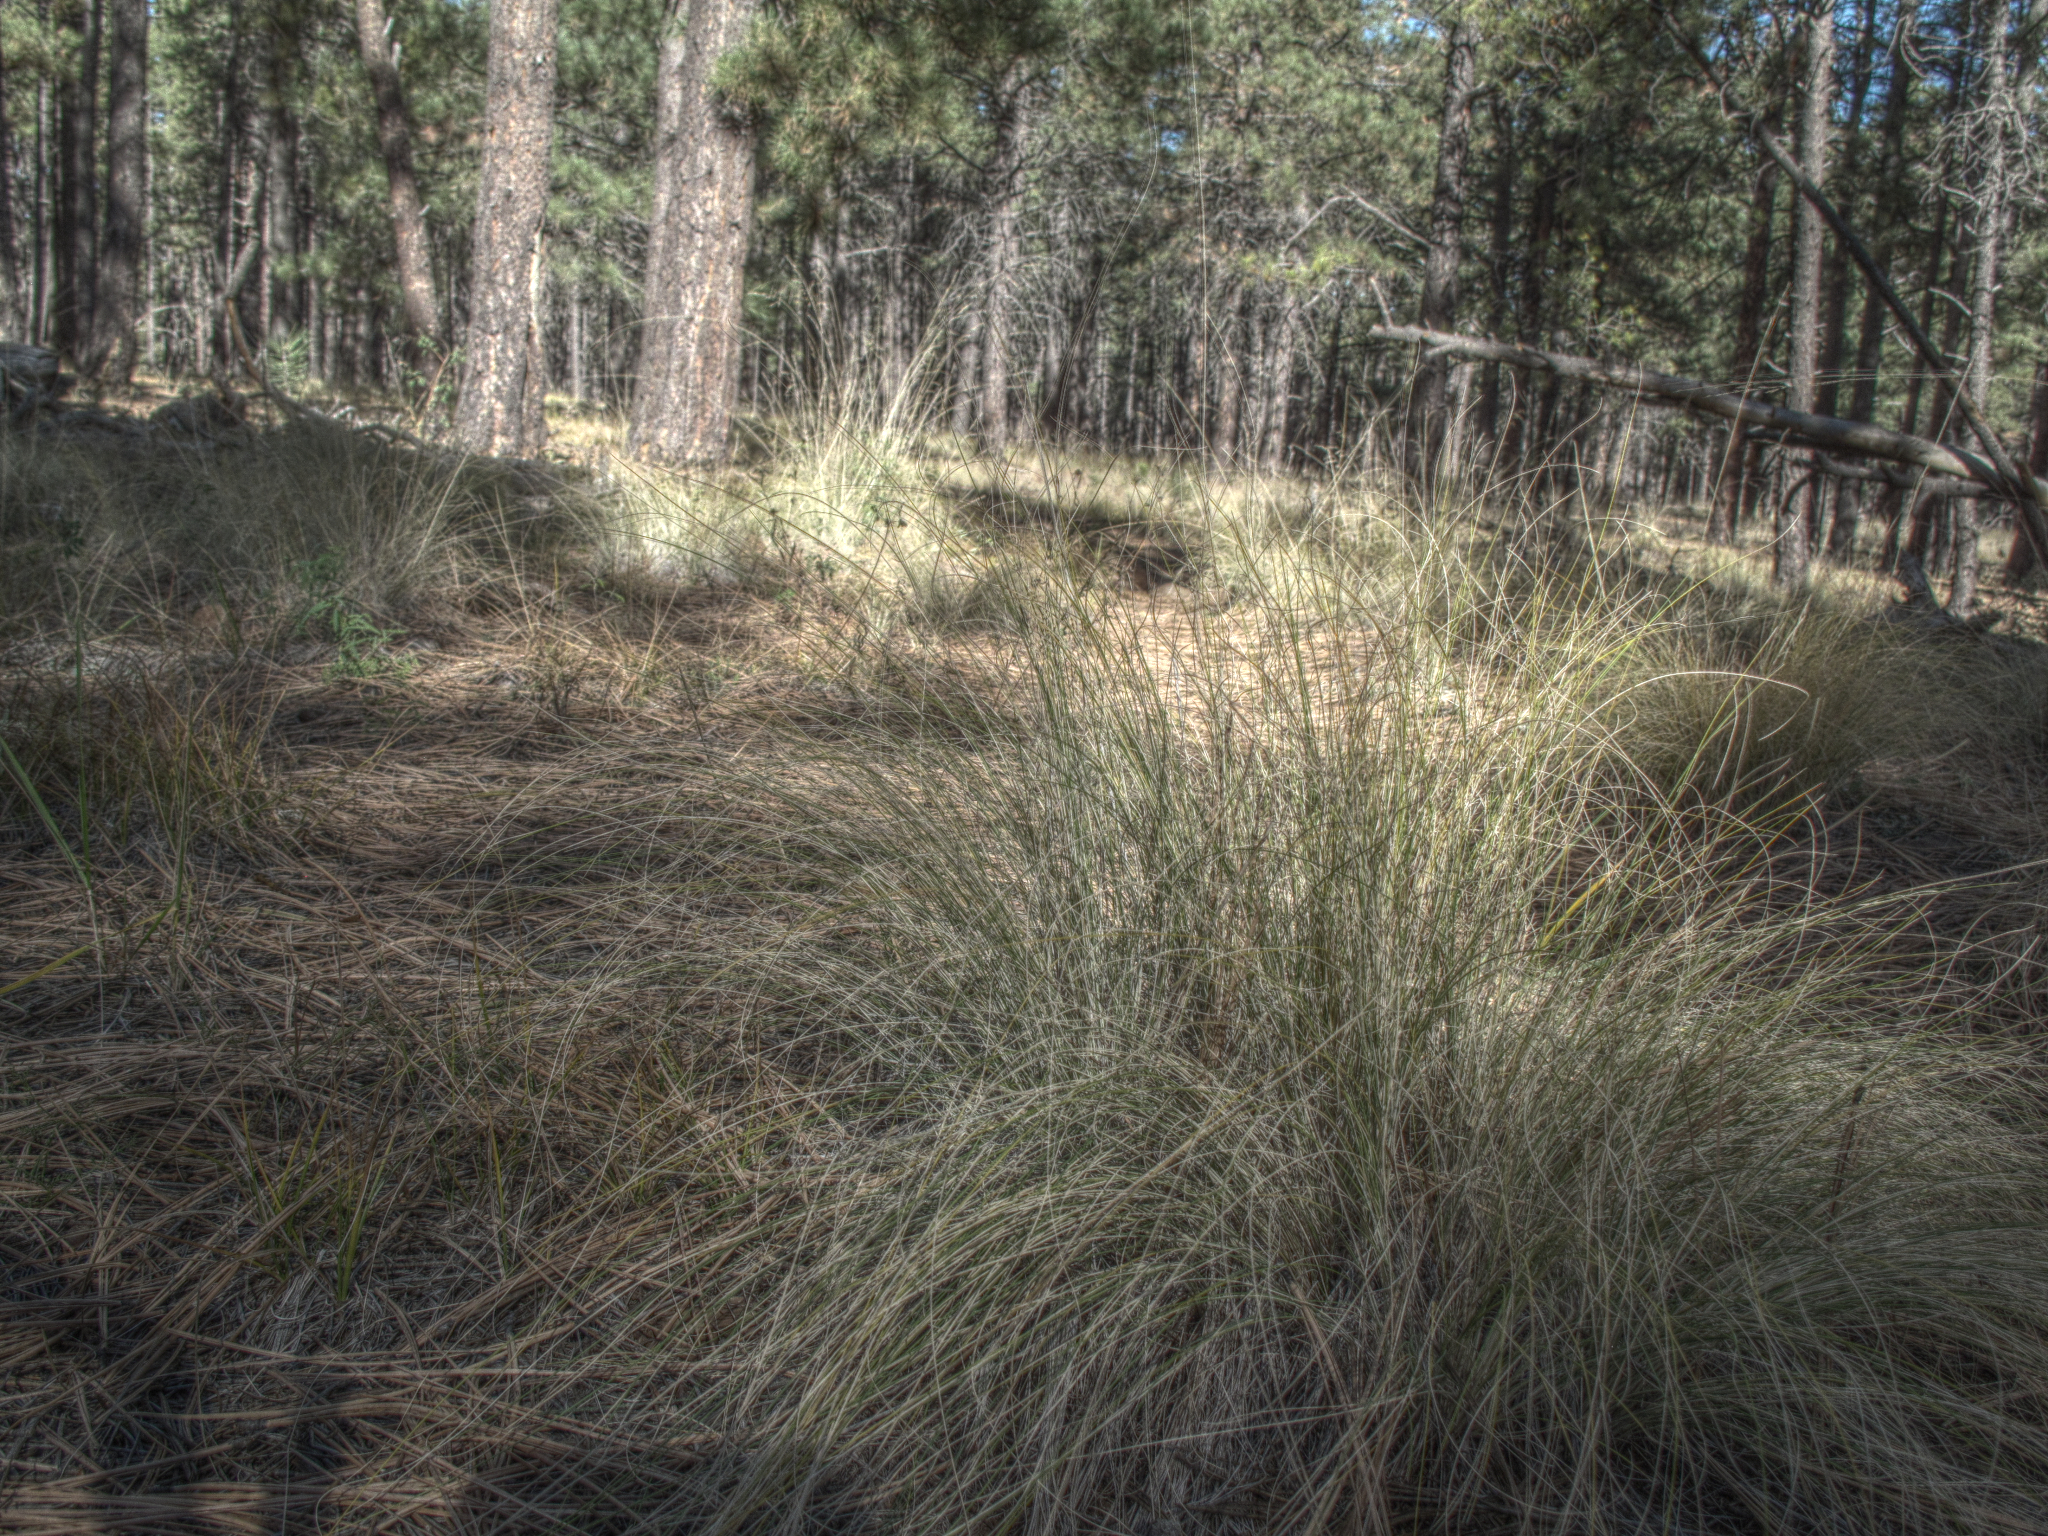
1023, 766
890, 988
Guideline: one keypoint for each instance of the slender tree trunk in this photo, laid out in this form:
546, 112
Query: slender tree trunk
77, 242
40, 300
1428, 417
898, 340
1836, 307
1499, 255
117, 312
1793, 550
1991, 192
421, 313
1279, 392
1522, 423
1005, 200
1223, 441
227, 196
1326, 398
688, 377
14, 305
502, 372
281, 234
1743, 461
2024, 558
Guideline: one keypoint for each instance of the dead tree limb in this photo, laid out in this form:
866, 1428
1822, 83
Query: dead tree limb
2024, 489
1905, 480
1826, 432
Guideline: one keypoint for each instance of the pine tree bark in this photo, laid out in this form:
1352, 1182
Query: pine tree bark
1991, 197
76, 242
1523, 425
15, 305
117, 314
421, 315
1322, 433
1005, 251
1742, 463
1498, 258
1792, 554
281, 233
2024, 558
690, 339
1429, 404
499, 411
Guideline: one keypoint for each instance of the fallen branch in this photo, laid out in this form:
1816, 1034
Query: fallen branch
1855, 437
2026, 491
1899, 479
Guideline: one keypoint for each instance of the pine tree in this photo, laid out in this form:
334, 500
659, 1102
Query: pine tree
697, 244
504, 370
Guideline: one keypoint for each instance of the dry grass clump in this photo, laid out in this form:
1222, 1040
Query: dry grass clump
1269, 1050
1302, 1119
256, 527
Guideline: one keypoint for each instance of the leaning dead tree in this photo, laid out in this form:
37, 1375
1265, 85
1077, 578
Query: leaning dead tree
1827, 433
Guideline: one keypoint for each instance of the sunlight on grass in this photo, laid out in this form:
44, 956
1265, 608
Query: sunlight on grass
891, 989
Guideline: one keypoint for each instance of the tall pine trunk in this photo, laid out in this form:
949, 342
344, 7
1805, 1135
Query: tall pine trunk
117, 314
1522, 442
1004, 256
1429, 404
1742, 463
690, 348
422, 316
1498, 258
1793, 551
76, 245
1991, 194
15, 303
503, 368
281, 234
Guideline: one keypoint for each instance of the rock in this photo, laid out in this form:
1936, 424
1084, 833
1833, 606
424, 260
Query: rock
30, 379
206, 416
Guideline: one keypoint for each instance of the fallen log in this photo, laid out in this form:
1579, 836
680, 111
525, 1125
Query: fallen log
1855, 437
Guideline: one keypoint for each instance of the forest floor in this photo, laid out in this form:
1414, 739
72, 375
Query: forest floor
473, 973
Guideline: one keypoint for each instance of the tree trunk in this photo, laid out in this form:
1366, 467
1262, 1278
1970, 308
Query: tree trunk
966, 377
77, 243
502, 373
1521, 440
39, 299
2024, 558
226, 196
1279, 387
1836, 307
1498, 256
1991, 196
1230, 342
1429, 404
1742, 464
1326, 398
1793, 551
14, 306
117, 313
421, 314
281, 235
1005, 199
688, 379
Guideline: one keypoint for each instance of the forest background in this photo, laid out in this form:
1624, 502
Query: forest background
1151, 227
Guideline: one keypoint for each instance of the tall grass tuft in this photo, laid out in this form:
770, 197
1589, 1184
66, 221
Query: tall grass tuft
1299, 1105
